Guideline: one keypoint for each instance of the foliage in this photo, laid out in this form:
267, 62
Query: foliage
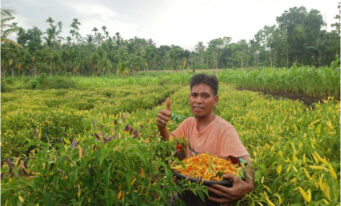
41, 82
99, 144
8, 27
308, 81
94, 170
62, 113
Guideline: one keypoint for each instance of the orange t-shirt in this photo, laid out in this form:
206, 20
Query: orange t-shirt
218, 138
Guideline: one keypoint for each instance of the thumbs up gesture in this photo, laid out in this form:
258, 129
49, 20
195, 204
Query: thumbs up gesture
164, 116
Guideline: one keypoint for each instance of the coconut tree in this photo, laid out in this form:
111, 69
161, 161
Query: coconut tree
8, 27
9, 48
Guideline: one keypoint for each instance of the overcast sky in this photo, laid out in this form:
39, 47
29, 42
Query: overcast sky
166, 22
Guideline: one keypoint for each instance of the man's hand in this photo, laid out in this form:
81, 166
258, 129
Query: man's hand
162, 120
229, 194
164, 116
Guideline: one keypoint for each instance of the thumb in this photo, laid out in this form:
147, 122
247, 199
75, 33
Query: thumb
168, 103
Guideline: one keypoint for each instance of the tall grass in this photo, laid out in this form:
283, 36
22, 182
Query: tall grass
321, 83
309, 81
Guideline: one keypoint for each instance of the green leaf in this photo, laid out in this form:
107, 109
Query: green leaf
109, 196
107, 174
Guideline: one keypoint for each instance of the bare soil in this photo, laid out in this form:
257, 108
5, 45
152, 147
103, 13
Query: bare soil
307, 100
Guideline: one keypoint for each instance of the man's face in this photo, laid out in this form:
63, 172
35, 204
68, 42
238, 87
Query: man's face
202, 100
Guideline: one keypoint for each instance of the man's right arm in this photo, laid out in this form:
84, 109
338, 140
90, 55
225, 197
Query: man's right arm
162, 120
164, 133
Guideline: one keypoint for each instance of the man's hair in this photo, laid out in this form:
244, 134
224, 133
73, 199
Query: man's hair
211, 81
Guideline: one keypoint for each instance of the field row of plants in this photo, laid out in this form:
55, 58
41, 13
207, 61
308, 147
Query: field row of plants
63, 113
309, 81
70, 154
59, 82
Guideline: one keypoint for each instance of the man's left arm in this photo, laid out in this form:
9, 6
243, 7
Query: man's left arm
240, 186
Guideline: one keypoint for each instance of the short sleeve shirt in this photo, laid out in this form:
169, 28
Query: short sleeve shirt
218, 138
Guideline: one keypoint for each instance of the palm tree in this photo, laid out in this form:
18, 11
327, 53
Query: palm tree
8, 27
104, 28
75, 30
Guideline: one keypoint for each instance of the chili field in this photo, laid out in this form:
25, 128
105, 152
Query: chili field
97, 143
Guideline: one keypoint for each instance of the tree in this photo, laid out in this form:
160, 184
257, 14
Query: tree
279, 47
8, 27
104, 29
53, 43
338, 20
53, 38
149, 55
215, 48
162, 57
31, 40
117, 39
176, 54
303, 31
74, 31
242, 53
200, 48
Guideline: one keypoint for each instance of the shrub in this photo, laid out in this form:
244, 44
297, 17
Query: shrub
95, 171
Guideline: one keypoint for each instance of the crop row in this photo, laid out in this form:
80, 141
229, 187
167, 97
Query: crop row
64, 113
308, 81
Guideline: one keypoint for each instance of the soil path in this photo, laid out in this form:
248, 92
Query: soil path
307, 100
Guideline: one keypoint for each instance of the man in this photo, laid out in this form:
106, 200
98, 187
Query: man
209, 133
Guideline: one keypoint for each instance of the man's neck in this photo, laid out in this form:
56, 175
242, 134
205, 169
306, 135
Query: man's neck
202, 122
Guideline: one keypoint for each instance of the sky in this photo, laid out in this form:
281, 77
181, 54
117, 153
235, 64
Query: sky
166, 22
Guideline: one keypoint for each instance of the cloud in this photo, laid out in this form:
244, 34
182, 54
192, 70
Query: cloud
166, 22
22, 21
92, 10
187, 22
97, 15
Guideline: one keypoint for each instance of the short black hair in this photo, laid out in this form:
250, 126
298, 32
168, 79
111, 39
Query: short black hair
211, 81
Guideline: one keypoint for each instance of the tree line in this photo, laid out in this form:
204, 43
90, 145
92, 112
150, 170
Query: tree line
298, 38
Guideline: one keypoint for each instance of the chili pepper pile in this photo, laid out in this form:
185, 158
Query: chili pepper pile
206, 167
